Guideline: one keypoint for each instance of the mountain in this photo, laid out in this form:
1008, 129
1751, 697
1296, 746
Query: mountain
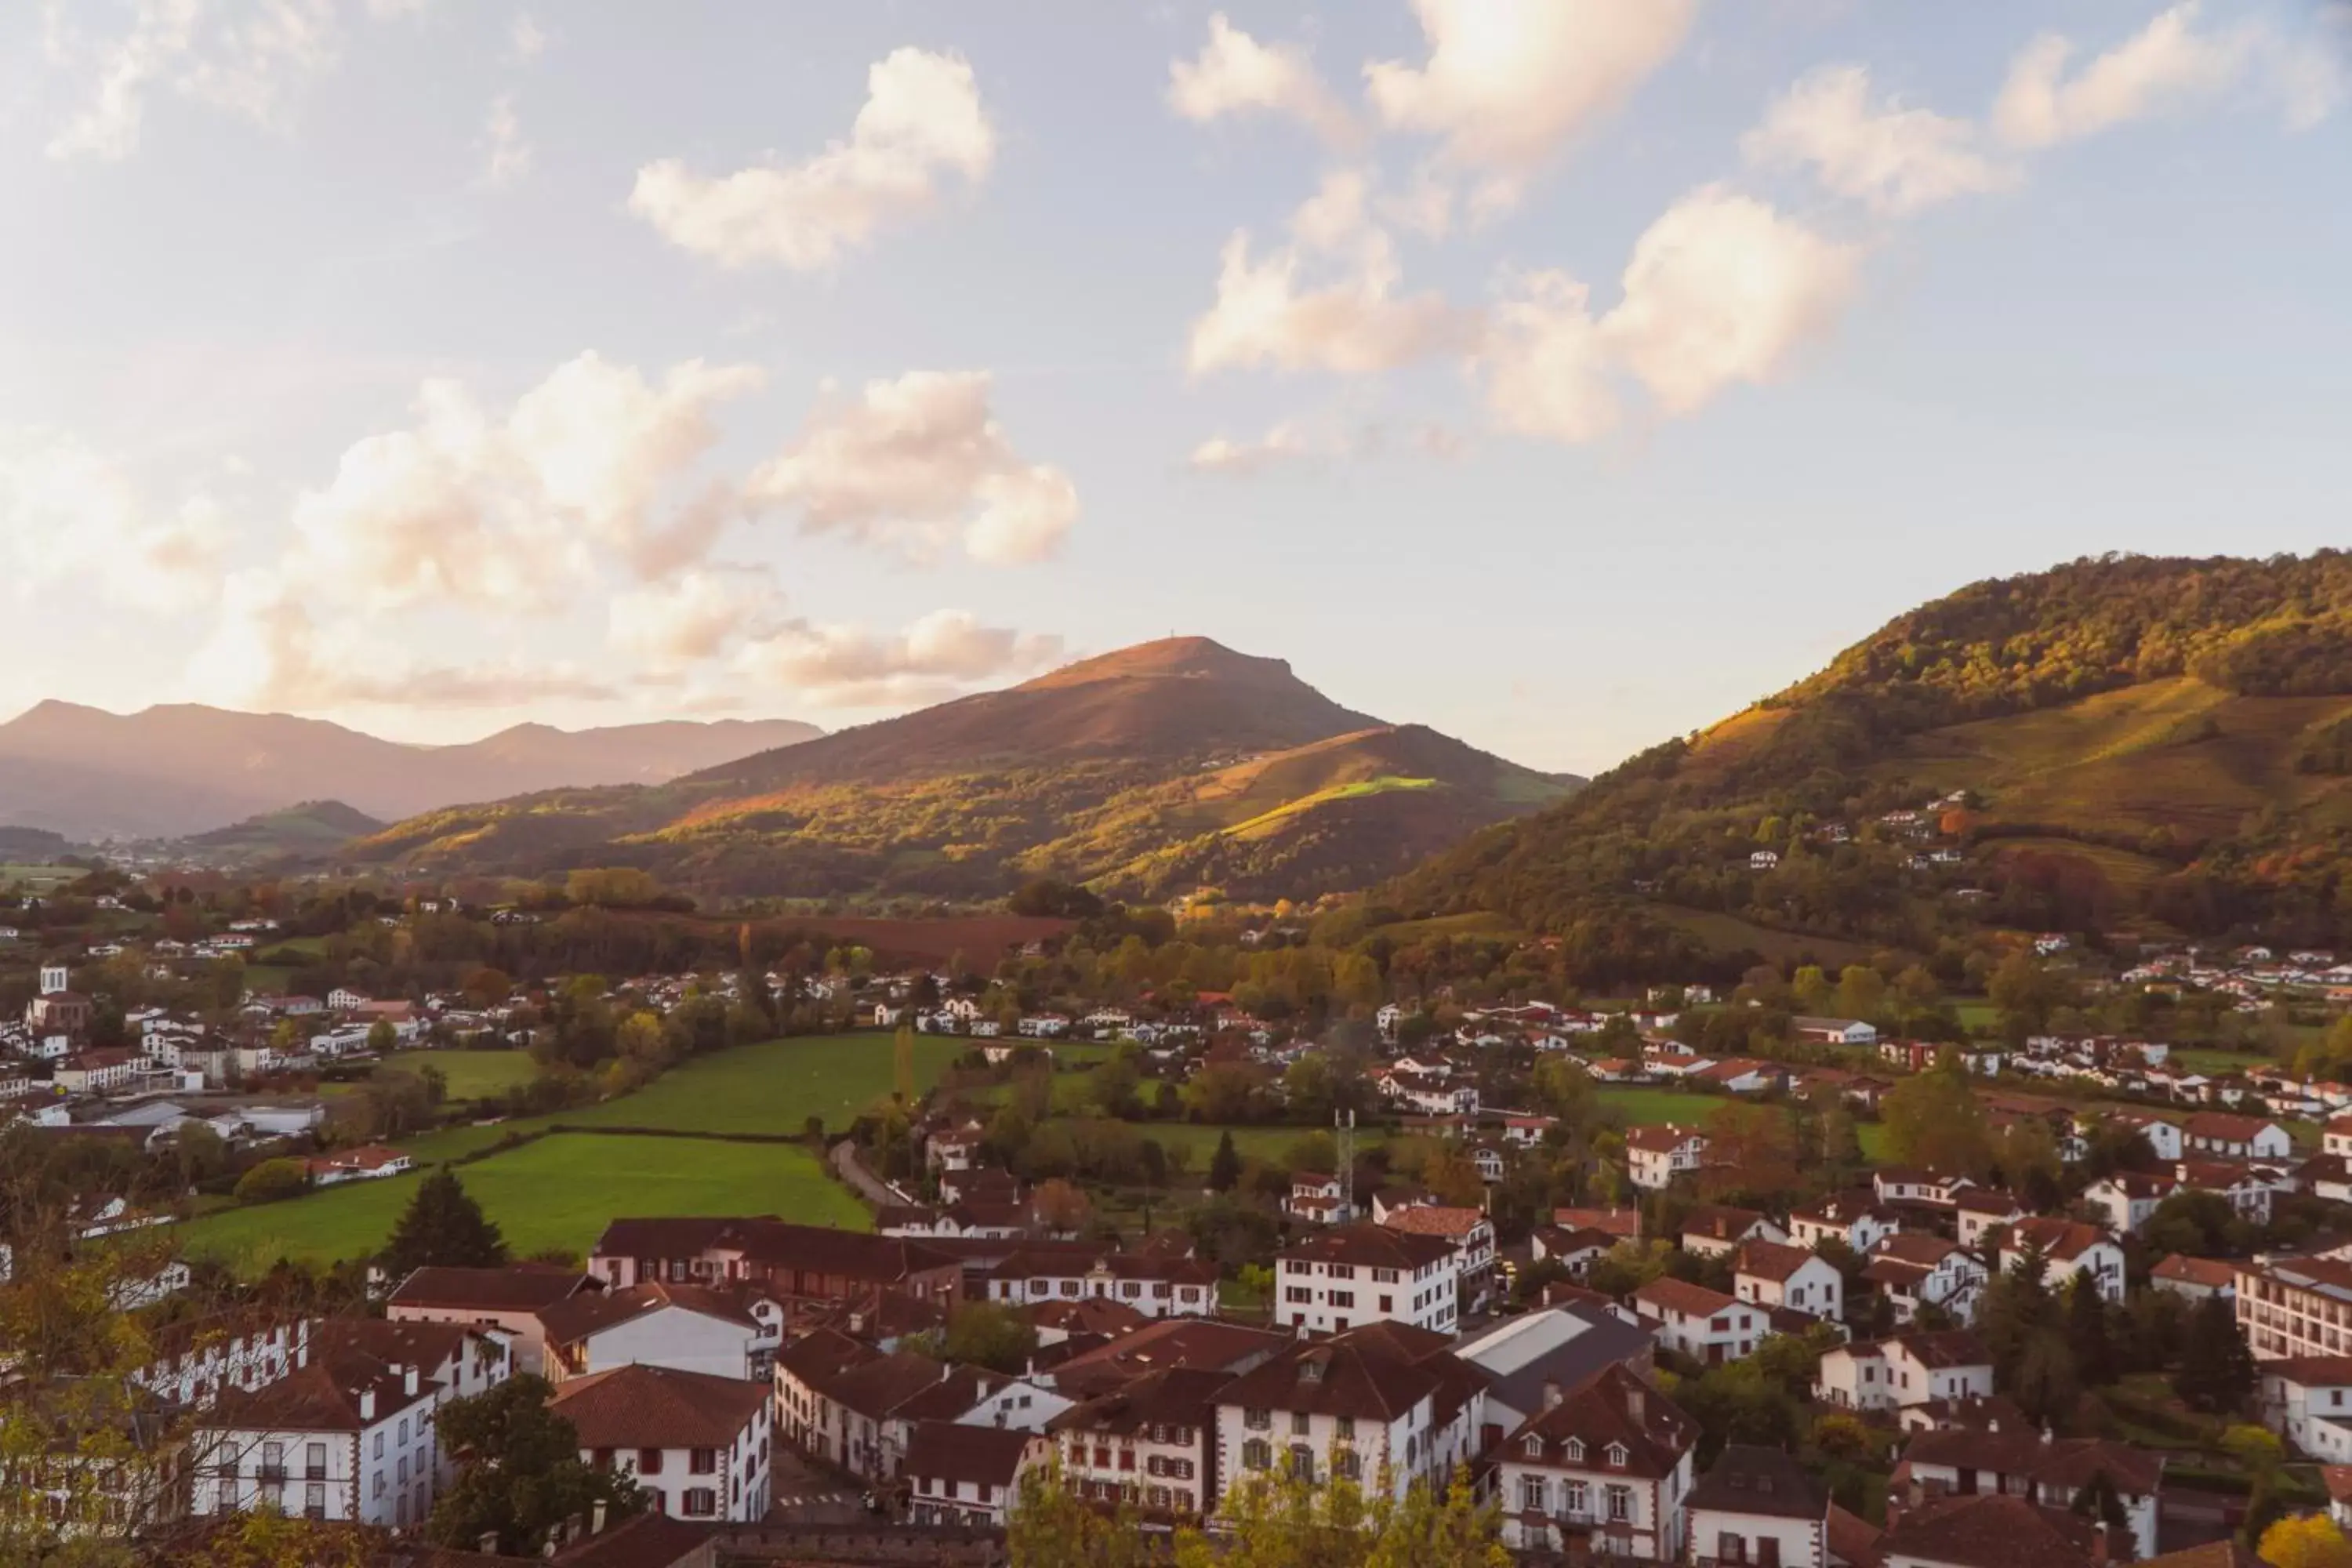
1152, 770
179, 769
2122, 742
312, 827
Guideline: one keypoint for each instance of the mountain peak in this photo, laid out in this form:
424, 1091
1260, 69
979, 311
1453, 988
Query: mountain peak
1186, 657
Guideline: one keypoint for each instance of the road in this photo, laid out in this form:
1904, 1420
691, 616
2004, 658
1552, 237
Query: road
861, 1181
803, 1494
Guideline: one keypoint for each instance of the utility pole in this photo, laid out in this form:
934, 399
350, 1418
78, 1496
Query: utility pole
1343, 1140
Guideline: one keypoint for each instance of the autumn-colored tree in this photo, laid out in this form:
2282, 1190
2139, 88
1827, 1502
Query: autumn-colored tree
1750, 1149
1934, 1120
2307, 1540
1060, 1207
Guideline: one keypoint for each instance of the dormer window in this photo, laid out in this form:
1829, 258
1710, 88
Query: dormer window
1535, 1447
1617, 1455
1576, 1450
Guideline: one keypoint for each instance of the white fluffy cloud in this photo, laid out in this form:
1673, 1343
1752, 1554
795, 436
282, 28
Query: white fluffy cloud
251, 59
694, 617
267, 652
2168, 64
1549, 371
941, 656
467, 507
1897, 160
1329, 300
1722, 288
506, 156
1284, 443
916, 464
1234, 74
72, 514
922, 120
1509, 83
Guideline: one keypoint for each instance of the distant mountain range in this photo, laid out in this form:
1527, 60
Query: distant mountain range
1153, 770
173, 771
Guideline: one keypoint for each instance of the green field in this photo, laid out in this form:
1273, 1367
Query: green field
558, 1192
471, 1074
1269, 1143
1644, 1106
39, 877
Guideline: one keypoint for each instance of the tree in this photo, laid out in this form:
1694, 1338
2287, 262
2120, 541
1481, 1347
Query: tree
2217, 1370
1933, 1119
273, 1180
2087, 1331
1566, 1091
1050, 1526
1750, 1149
1060, 1207
442, 1226
2309, 1541
521, 1471
1113, 1084
1225, 1164
989, 1334
382, 1037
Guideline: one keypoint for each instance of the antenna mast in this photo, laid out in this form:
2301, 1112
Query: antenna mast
1343, 1140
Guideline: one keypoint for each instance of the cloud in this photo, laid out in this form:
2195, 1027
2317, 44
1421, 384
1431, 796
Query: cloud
1509, 83
253, 60
915, 463
267, 652
944, 655
69, 514
1234, 74
1548, 370
475, 509
1722, 288
1898, 161
1352, 323
922, 119
694, 617
506, 156
1284, 443
2163, 65
525, 38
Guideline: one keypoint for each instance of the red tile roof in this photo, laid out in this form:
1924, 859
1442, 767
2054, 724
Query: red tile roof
640, 1406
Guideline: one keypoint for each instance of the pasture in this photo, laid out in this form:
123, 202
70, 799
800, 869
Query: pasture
557, 1192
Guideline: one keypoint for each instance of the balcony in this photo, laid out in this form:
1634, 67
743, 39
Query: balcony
271, 1475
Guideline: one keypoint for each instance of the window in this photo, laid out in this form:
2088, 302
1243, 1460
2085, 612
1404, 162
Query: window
378, 1488
314, 1500
1343, 1298
314, 1461
1302, 1462
1535, 1445
1387, 1303
1102, 1459
1617, 1455
1126, 1460
379, 1442
1731, 1548
1576, 1499
1298, 1293
701, 1462
1621, 1504
1347, 1462
404, 1431
1256, 1454
1299, 1423
650, 1461
273, 1462
1576, 1450
1257, 1420
700, 1502
1532, 1493
1344, 1428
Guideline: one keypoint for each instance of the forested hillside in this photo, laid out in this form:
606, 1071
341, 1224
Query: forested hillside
2119, 741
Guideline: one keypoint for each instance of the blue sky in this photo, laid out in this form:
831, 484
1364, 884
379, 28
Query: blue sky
1562, 374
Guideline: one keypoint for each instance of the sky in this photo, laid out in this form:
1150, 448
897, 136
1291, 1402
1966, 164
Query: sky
1561, 374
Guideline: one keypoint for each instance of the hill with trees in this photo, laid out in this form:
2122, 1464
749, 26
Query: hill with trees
1152, 771
2121, 742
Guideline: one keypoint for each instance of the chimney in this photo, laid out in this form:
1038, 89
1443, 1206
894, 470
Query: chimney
2102, 1547
575, 1527
1636, 1405
367, 1404
596, 1517
410, 1381
1551, 1394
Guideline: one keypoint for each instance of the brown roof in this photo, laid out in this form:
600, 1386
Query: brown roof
2310, 1371
1915, 1246
2223, 1127
1435, 1219
1681, 1296
577, 1316
2211, 1272
1171, 1341
1087, 1315
1721, 1222
514, 1287
985, 1455
2068, 1461
1623, 1224
773, 1243
1943, 1348
1354, 1374
1991, 1530
640, 1406
418, 1344
1853, 1541
1369, 1245
1747, 1478
1173, 1396
2058, 1238
1612, 1407
322, 1395
1770, 1259
1662, 1138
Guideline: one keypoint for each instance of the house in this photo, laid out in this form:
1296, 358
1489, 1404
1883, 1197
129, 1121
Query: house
1706, 1325
1770, 1274
963, 1474
1763, 859
2194, 1277
1988, 1531
1711, 1230
729, 1333
1834, 1031
344, 1437
2295, 1307
2032, 1467
1979, 1212
1316, 1198
1598, 1469
1913, 1269
1380, 1402
1472, 1237
1656, 1156
1904, 1371
2307, 1401
1529, 1358
1158, 1285
1150, 1444
2161, 1136
1351, 1275
1757, 1505
793, 1264
2068, 1247
366, 1162
1854, 1218
1907, 1186
698, 1445
1573, 1251
1618, 1224
2127, 1200
2231, 1137
507, 1299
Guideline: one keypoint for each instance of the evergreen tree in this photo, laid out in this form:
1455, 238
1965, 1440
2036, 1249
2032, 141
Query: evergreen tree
2217, 1370
2087, 1332
442, 1226
523, 1475
1225, 1165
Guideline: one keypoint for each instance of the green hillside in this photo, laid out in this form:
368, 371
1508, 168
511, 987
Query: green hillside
2143, 741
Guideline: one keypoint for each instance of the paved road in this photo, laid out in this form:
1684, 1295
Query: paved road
862, 1181
800, 1493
